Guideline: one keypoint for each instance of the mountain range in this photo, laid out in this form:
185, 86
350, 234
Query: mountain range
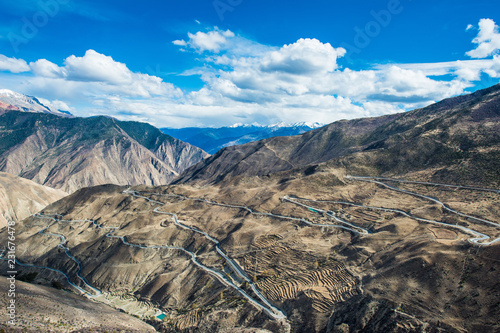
457, 138
386, 224
212, 140
69, 153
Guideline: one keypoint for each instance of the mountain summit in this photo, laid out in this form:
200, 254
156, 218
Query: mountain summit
70, 153
11, 100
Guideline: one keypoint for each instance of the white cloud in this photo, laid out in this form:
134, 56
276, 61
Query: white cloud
212, 41
465, 70
306, 56
303, 73
101, 73
494, 70
248, 82
13, 65
60, 105
179, 42
487, 40
96, 67
400, 85
45, 68
304, 79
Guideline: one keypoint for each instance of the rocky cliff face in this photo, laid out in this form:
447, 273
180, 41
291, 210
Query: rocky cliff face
71, 153
20, 198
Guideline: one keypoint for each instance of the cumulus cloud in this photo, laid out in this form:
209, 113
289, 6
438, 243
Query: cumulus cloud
396, 84
103, 73
305, 74
212, 41
487, 40
306, 56
13, 65
45, 68
304, 79
180, 42
96, 67
249, 82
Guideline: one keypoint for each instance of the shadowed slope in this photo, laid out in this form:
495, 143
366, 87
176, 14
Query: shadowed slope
70, 153
463, 128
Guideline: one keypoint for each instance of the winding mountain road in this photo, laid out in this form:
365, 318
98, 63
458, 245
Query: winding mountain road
268, 307
262, 303
353, 228
480, 237
426, 183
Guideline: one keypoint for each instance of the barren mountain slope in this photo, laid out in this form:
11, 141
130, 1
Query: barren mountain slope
283, 235
284, 153
70, 153
45, 309
404, 274
20, 198
454, 132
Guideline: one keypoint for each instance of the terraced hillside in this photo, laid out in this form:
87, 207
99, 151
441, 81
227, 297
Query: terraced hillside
296, 251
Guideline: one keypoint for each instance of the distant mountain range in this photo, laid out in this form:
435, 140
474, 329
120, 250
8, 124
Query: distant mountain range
456, 138
212, 140
65, 152
13, 101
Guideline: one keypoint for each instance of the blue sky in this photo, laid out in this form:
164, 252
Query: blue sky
220, 62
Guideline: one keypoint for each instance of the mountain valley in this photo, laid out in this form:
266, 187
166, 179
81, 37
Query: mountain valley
316, 263
388, 224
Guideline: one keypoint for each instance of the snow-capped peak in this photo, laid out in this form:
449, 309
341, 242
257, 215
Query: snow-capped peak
298, 124
281, 124
10, 93
15, 101
308, 124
